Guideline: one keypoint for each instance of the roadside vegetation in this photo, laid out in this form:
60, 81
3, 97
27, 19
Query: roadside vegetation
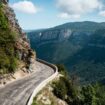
70, 91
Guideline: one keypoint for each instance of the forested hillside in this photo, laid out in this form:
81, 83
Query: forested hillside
67, 91
74, 45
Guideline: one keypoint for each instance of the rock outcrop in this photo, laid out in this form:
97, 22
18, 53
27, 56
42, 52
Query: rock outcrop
4, 1
46, 36
22, 45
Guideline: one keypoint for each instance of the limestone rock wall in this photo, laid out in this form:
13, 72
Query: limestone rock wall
22, 45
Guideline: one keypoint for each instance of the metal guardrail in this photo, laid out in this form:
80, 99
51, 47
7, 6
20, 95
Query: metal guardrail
44, 83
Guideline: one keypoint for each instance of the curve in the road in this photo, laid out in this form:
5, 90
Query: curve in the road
19, 92
45, 82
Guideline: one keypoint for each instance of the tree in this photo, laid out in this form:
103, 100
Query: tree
89, 95
60, 90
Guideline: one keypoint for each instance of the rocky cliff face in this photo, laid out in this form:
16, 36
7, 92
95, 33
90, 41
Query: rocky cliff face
21, 45
56, 34
50, 36
4, 1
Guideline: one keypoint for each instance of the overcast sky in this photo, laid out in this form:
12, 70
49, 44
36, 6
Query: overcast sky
38, 14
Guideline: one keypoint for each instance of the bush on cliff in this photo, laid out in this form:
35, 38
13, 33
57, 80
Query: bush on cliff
74, 94
8, 60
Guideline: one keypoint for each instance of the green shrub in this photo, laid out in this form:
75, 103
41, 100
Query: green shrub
62, 69
89, 97
3, 20
60, 89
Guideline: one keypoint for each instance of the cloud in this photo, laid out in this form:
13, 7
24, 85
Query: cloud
102, 13
67, 16
25, 6
76, 8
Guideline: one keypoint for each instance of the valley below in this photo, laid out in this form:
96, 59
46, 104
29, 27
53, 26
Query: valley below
74, 45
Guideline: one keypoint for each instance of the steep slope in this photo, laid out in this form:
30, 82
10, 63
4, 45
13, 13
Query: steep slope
14, 45
83, 45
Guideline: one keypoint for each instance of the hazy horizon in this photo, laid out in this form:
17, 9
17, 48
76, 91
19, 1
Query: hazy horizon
59, 25
39, 14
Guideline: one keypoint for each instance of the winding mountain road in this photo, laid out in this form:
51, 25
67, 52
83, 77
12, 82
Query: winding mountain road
18, 93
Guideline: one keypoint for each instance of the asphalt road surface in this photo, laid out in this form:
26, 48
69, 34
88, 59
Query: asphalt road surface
18, 93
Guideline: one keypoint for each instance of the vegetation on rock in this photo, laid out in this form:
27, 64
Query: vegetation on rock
8, 59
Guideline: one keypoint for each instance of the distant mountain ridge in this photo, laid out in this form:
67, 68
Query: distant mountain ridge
74, 45
63, 32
